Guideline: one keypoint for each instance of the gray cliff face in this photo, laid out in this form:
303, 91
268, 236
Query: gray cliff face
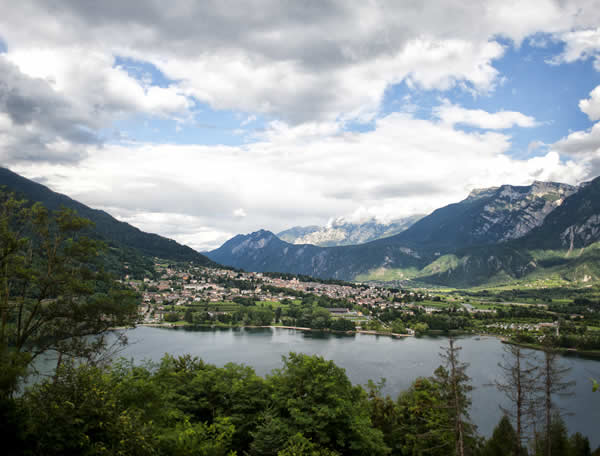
582, 234
487, 216
512, 212
297, 232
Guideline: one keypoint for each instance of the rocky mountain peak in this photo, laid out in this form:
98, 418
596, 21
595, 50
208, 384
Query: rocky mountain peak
478, 193
341, 231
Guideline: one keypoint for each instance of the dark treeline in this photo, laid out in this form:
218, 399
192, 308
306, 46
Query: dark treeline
307, 314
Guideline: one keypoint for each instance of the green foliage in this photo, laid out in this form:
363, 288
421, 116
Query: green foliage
424, 425
183, 406
558, 437
342, 324
298, 445
54, 293
398, 327
171, 317
198, 439
314, 397
420, 328
502, 441
79, 413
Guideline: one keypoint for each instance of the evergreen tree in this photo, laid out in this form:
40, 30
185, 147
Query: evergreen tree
552, 382
518, 385
455, 386
579, 445
555, 439
503, 441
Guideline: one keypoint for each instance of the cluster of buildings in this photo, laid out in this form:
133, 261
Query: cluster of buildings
177, 286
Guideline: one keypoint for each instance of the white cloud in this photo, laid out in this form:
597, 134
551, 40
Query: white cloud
535, 145
297, 176
453, 114
580, 44
248, 120
591, 106
296, 63
580, 143
310, 71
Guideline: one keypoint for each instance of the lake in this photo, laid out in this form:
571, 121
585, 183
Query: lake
366, 357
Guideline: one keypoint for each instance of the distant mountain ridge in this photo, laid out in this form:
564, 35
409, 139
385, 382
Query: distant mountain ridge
106, 226
340, 231
490, 235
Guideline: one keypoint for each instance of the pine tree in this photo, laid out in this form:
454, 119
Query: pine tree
518, 385
455, 383
503, 441
552, 382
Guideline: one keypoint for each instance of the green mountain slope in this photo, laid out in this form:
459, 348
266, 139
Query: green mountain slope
263, 251
120, 235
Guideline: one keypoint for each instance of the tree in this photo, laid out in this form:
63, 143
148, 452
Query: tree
398, 327
424, 424
189, 316
314, 397
518, 385
504, 441
342, 324
420, 329
262, 317
54, 293
552, 382
455, 384
579, 445
79, 412
556, 438
171, 317
277, 314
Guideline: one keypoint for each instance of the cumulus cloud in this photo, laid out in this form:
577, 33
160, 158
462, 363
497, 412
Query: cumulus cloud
584, 145
453, 114
308, 70
302, 62
591, 106
404, 166
580, 142
37, 123
580, 44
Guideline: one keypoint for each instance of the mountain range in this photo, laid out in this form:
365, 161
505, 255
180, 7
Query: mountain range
496, 234
546, 231
341, 231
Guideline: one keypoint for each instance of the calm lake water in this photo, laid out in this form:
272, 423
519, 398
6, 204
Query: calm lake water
364, 357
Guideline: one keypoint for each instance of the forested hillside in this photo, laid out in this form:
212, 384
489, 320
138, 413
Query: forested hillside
129, 240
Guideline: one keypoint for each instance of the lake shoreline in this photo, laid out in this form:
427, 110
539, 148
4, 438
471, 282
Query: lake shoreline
592, 354
297, 328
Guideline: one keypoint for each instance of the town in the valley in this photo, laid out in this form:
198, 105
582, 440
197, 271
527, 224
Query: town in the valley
184, 295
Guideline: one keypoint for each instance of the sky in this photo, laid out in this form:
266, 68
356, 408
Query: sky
202, 120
